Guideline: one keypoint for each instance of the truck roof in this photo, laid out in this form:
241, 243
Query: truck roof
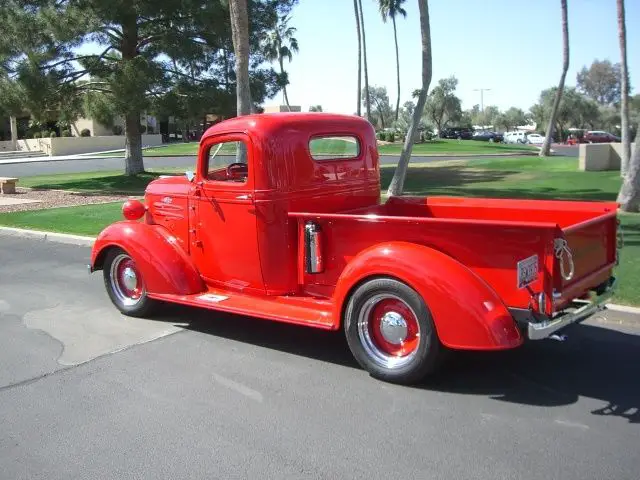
271, 123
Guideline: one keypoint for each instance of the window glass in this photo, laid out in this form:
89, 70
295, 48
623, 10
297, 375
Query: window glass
228, 162
334, 147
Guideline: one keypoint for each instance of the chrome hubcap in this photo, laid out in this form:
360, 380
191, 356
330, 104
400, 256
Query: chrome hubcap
393, 327
129, 278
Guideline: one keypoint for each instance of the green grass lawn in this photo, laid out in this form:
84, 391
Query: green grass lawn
327, 147
550, 178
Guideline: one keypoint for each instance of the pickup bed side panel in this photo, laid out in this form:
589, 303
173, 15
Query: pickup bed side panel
467, 313
165, 266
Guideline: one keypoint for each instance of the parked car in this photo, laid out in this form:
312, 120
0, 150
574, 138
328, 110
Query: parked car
461, 133
515, 137
535, 139
282, 220
486, 136
598, 136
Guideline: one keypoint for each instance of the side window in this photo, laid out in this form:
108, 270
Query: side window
334, 148
228, 162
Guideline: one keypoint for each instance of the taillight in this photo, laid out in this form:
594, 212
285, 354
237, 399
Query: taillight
313, 248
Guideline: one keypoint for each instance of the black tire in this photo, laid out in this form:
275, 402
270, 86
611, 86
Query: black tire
141, 307
426, 358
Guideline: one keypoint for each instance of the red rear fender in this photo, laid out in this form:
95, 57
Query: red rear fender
467, 312
165, 266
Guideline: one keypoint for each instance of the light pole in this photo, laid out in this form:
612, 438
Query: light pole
481, 90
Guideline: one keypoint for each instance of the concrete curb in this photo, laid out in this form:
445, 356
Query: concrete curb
623, 308
48, 236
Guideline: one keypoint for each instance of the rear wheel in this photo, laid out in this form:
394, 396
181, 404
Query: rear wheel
391, 333
125, 284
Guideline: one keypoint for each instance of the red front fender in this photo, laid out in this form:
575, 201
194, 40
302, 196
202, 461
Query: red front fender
165, 266
467, 312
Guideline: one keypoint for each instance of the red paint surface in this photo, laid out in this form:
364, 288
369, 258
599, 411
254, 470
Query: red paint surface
244, 240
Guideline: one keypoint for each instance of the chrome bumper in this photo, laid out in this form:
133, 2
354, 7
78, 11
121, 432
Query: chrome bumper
543, 327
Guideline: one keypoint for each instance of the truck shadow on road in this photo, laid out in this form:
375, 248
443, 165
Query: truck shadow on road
594, 362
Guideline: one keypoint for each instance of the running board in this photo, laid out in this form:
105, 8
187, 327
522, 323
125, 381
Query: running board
307, 311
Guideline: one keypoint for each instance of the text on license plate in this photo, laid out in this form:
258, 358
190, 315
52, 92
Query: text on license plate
527, 271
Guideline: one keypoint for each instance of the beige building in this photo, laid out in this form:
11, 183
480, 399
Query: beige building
282, 108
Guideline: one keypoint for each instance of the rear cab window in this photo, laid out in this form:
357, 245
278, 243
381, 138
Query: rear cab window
334, 147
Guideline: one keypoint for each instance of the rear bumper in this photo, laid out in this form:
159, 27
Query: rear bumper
538, 327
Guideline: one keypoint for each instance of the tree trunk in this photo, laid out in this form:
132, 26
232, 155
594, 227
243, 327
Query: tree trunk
284, 87
240, 36
366, 72
546, 146
395, 36
133, 144
134, 163
14, 133
629, 196
624, 113
355, 8
397, 182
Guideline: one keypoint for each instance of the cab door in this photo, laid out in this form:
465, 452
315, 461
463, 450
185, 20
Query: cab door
224, 240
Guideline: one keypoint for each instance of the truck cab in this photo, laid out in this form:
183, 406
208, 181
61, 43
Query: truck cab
283, 220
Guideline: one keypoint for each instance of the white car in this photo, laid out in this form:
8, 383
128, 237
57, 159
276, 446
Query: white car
535, 139
515, 137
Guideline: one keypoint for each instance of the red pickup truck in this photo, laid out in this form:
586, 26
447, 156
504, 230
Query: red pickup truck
283, 220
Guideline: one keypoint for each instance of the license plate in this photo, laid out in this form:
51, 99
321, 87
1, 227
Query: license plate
527, 271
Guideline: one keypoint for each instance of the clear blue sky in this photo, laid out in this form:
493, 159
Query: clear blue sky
512, 47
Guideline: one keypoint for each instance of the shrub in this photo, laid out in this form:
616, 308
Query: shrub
85, 132
37, 135
392, 137
143, 128
53, 135
150, 130
65, 133
117, 130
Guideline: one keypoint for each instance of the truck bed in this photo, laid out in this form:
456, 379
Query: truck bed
489, 236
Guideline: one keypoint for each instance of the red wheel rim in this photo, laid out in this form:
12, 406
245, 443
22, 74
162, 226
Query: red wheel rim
394, 328
129, 280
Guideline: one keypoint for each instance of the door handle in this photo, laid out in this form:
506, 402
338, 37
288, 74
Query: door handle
244, 197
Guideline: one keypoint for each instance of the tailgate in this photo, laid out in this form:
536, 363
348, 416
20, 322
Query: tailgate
586, 254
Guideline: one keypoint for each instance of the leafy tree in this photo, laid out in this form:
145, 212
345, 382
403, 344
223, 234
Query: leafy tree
546, 146
601, 82
443, 107
280, 44
391, 9
382, 113
396, 186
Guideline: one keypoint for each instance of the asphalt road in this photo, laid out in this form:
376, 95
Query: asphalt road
86, 393
187, 163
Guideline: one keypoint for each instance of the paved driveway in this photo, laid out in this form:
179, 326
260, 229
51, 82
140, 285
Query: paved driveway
86, 394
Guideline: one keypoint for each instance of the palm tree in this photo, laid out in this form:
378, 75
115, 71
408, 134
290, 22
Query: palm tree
626, 144
366, 73
240, 37
397, 182
355, 8
629, 196
389, 9
281, 44
546, 146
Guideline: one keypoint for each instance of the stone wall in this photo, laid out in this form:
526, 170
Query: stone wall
600, 156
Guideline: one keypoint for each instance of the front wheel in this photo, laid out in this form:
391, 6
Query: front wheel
125, 285
391, 333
